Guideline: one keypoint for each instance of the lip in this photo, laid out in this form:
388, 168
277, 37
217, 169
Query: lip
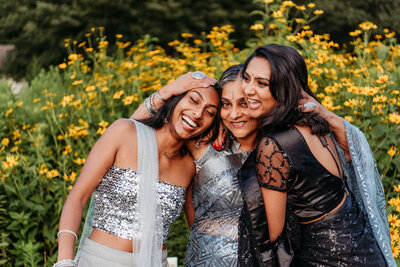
253, 103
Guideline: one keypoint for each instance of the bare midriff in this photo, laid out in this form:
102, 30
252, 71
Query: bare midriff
326, 214
112, 241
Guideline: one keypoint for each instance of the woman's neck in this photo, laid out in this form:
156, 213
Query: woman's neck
167, 141
247, 143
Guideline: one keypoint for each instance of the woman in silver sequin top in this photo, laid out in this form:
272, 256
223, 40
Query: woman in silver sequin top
113, 172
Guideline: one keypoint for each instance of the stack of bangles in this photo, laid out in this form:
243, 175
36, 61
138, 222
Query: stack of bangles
149, 103
66, 262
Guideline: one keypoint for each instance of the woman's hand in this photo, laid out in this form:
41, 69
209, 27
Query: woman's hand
220, 141
185, 83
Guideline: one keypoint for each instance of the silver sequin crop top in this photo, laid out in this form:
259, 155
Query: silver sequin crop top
116, 203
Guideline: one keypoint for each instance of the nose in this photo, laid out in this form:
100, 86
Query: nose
235, 112
197, 113
248, 89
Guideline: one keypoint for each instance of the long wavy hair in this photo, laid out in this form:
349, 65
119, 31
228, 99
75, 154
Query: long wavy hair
288, 78
164, 115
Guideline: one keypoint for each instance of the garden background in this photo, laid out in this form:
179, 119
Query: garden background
89, 63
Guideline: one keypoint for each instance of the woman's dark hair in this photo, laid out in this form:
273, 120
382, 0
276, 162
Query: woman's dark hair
288, 78
231, 74
165, 114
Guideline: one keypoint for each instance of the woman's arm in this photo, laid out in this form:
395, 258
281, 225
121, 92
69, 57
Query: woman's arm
335, 122
179, 86
273, 171
100, 159
189, 209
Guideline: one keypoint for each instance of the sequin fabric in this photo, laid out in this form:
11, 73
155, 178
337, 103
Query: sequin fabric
217, 201
116, 203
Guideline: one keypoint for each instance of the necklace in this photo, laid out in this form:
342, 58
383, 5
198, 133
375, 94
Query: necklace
172, 155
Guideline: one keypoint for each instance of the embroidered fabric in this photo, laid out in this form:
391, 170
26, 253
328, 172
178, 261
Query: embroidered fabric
273, 167
217, 201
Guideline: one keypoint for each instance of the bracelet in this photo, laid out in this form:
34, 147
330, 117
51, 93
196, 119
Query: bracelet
159, 96
153, 108
65, 263
148, 107
67, 231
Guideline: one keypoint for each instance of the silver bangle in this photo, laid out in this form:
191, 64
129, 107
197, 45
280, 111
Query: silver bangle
67, 231
159, 96
64, 263
149, 105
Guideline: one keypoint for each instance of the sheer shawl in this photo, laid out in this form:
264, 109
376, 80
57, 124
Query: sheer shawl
365, 183
147, 249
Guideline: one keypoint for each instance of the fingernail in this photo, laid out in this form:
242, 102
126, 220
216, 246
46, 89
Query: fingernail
223, 141
219, 147
214, 146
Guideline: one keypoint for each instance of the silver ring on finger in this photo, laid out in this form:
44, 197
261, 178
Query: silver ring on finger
198, 75
310, 105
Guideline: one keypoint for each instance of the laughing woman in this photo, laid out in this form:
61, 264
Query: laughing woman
139, 172
339, 205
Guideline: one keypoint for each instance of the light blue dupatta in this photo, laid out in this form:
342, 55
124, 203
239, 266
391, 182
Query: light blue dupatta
365, 183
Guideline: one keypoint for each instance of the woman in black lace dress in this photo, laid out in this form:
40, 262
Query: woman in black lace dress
297, 169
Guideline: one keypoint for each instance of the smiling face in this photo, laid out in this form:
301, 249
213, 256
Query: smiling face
235, 113
195, 112
255, 84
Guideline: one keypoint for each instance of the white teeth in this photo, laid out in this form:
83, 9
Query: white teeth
252, 101
188, 122
238, 123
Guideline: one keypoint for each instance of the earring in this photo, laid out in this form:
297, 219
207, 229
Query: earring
198, 142
165, 120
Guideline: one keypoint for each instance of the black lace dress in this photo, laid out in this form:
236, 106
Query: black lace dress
284, 162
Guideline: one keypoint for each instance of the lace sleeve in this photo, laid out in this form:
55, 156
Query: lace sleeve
273, 167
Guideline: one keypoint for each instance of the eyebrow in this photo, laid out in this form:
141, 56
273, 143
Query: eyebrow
203, 98
257, 78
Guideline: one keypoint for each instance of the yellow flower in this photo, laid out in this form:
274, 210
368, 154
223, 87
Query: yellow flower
89, 49
67, 150
318, 12
390, 35
379, 99
66, 100
268, 1
90, 88
5, 141
355, 33
20, 103
101, 130
52, 174
348, 118
118, 94
11, 161
70, 177
397, 188
395, 201
394, 117
62, 66
197, 41
103, 124
76, 82
257, 27
186, 35
119, 36
9, 111
105, 89
79, 161
311, 5
367, 25
393, 220
396, 251
392, 151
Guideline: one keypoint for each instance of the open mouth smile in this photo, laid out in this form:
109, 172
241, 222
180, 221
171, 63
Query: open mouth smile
189, 123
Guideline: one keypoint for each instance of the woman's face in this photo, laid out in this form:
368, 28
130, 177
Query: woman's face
195, 112
235, 113
256, 87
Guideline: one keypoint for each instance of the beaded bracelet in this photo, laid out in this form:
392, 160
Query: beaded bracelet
64, 263
67, 231
153, 108
148, 108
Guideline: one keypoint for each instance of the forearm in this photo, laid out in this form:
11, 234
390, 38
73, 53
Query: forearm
70, 220
339, 131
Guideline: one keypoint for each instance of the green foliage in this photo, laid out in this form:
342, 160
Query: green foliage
47, 130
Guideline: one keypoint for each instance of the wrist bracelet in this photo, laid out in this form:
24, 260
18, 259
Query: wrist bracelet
152, 107
148, 106
67, 231
64, 263
159, 96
